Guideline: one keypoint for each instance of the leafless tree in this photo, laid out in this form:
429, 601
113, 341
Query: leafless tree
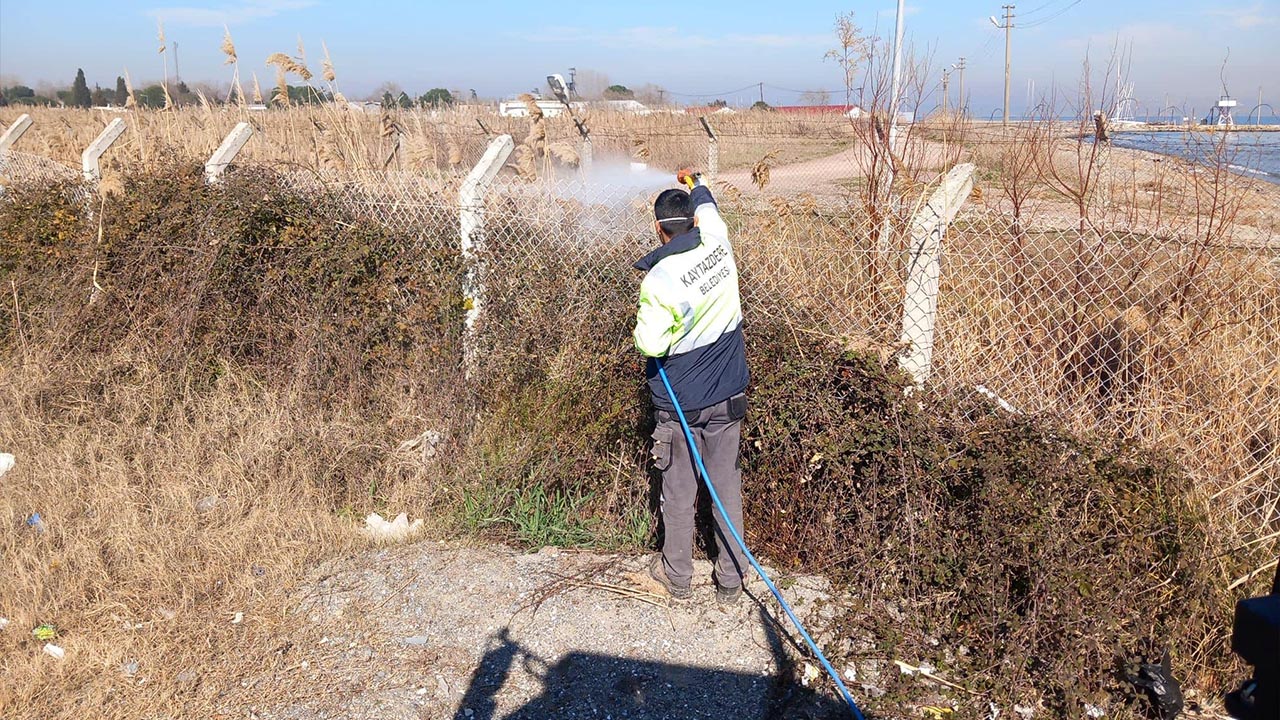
851, 49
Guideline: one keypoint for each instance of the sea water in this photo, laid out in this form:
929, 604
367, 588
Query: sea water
1255, 154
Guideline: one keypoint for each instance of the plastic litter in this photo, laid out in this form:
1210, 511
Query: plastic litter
54, 651
35, 522
1156, 683
425, 444
377, 527
7, 462
4, 623
45, 632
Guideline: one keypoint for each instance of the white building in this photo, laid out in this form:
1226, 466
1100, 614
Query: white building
519, 109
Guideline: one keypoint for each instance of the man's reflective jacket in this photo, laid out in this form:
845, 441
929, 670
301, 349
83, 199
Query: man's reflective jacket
690, 314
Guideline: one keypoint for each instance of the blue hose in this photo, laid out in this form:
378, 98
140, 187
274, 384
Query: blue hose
697, 458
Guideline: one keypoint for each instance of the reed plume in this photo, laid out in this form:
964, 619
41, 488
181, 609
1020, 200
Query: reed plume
228, 47
326, 65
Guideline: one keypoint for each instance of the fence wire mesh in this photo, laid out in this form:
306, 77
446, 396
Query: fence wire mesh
22, 167
1134, 296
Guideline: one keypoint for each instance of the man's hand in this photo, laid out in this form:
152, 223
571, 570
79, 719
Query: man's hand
686, 176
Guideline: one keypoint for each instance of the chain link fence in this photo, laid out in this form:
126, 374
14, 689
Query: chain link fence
1129, 297
21, 167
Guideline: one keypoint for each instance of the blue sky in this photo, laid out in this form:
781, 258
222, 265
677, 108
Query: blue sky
698, 48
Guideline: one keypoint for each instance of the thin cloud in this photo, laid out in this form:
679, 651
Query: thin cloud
1256, 15
667, 38
232, 14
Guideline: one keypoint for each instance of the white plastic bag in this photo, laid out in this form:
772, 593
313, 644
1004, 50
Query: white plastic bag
377, 527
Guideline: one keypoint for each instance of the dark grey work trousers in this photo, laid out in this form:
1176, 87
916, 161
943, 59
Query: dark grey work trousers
717, 430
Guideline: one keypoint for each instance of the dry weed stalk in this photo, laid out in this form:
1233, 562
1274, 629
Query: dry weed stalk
760, 171
229, 49
566, 153
535, 143
326, 65
132, 100
640, 149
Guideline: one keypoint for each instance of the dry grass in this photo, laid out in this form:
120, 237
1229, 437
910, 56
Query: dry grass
1096, 327
157, 534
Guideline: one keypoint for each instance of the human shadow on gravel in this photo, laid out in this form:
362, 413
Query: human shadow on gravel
590, 685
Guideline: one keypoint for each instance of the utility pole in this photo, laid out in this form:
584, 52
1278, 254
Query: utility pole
946, 77
963, 105
1008, 24
761, 93
897, 67
886, 226
177, 74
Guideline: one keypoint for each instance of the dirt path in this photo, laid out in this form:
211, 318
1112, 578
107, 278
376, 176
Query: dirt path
434, 631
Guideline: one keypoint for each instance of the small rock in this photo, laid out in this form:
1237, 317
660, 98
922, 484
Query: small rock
874, 691
468, 712
1024, 711
237, 618
417, 640
54, 651
187, 676
129, 668
1093, 711
4, 623
7, 462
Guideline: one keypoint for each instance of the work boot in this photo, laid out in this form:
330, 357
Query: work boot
659, 573
726, 595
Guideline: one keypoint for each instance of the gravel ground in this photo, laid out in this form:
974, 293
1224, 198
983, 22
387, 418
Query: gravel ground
439, 631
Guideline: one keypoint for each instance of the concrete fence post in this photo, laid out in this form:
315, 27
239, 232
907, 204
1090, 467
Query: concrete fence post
89, 158
471, 234
226, 152
585, 157
14, 132
713, 150
10, 136
920, 302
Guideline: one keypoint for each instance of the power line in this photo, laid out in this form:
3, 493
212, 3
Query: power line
1044, 20
791, 90
752, 86
1038, 8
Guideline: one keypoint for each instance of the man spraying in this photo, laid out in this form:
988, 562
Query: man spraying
690, 316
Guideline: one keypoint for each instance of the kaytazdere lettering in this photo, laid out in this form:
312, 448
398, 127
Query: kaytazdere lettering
695, 274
